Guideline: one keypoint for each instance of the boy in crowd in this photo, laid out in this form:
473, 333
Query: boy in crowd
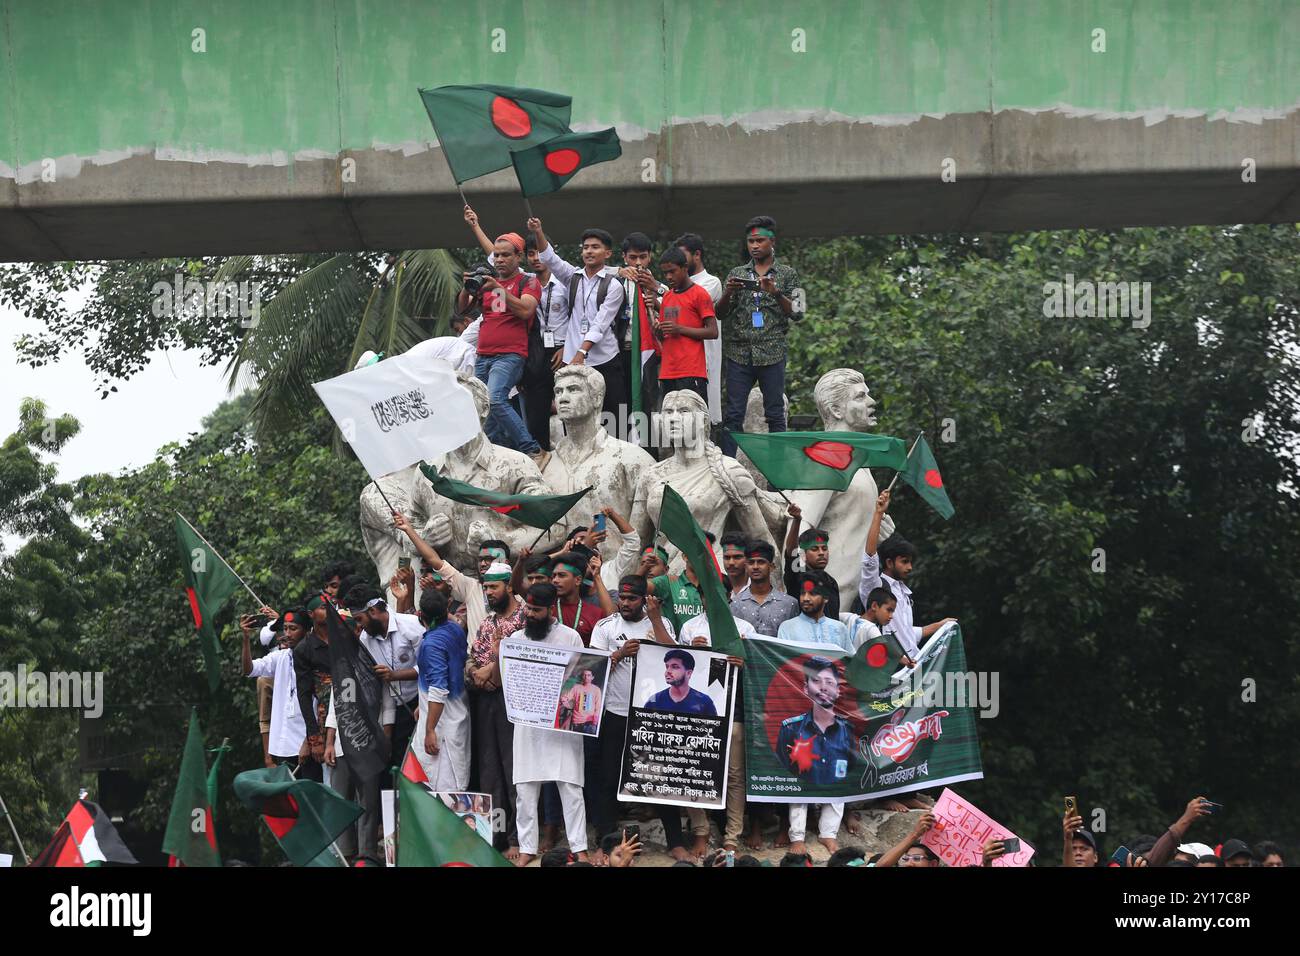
685, 321
762, 605
816, 546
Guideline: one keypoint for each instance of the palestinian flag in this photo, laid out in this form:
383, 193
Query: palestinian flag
191, 838
922, 473
537, 511
479, 126
305, 816
547, 167
85, 838
870, 670
680, 527
411, 768
429, 834
209, 584
794, 461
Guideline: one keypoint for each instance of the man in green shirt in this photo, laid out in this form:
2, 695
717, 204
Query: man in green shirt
680, 597
757, 305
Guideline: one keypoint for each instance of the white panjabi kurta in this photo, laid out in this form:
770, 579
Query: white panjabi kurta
542, 754
449, 771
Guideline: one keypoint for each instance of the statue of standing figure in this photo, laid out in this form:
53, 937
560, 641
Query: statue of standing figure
384, 543
586, 455
717, 488
455, 529
845, 405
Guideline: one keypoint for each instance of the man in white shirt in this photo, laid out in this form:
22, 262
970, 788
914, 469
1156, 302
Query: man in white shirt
287, 733
542, 755
622, 634
595, 297
693, 246
552, 319
393, 640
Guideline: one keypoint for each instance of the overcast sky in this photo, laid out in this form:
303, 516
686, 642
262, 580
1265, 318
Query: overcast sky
164, 402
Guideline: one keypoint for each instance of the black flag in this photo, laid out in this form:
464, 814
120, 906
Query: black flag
358, 695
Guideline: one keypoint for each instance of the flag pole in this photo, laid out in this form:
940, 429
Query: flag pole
382, 495
540, 536
528, 208
4, 811
909, 455
260, 602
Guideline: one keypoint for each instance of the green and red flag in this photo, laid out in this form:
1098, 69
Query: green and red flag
430, 834
922, 473
479, 126
681, 528
191, 837
872, 668
548, 166
412, 769
537, 511
209, 584
305, 816
793, 461
86, 837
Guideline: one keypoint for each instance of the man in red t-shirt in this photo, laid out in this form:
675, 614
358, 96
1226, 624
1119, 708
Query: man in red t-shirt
686, 319
509, 302
571, 610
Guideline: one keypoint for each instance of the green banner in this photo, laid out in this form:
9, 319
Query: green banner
822, 725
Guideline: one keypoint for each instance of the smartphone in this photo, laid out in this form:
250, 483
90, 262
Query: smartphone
633, 831
731, 857
1011, 845
1213, 807
1071, 806
260, 620
404, 562
598, 523
751, 284
1120, 856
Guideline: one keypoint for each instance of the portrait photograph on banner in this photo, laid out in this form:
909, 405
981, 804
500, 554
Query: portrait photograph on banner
555, 688
679, 727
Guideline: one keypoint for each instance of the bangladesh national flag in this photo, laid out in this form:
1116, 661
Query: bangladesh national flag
808, 460
479, 126
548, 166
430, 834
86, 837
191, 838
870, 670
681, 528
305, 816
209, 584
922, 473
537, 511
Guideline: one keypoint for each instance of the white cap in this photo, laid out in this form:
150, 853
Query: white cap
497, 571
1197, 850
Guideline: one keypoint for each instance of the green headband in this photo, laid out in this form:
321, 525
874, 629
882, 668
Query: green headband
565, 566
813, 536
497, 577
762, 231
663, 555
491, 553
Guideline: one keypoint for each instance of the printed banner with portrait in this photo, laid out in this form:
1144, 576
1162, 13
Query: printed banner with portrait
678, 744
555, 688
825, 725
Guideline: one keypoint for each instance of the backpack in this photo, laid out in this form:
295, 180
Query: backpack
620, 320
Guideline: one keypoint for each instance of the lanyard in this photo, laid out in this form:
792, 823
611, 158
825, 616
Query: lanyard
577, 613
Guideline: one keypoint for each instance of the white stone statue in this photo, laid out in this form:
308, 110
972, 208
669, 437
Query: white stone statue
384, 543
717, 488
587, 455
845, 405
756, 424
456, 529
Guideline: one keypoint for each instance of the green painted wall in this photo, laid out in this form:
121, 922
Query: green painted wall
92, 78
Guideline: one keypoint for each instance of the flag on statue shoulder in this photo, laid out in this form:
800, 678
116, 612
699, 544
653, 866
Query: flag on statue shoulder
400, 411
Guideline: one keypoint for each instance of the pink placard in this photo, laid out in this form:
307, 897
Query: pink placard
960, 831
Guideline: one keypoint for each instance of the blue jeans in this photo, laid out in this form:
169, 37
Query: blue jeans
501, 373
740, 379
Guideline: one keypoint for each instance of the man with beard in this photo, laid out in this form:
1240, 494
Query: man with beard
679, 696
393, 640
816, 547
817, 747
814, 625
542, 754
493, 734
442, 734
287, 738
621, 634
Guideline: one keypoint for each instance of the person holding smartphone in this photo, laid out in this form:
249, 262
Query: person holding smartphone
756, 309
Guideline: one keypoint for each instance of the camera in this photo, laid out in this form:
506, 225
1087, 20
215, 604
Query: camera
474, 282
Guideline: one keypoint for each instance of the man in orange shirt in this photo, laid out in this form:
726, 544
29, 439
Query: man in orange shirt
686, 319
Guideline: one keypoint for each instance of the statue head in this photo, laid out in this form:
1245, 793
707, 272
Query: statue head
579, 392
843, 398
684, 420
482, 401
